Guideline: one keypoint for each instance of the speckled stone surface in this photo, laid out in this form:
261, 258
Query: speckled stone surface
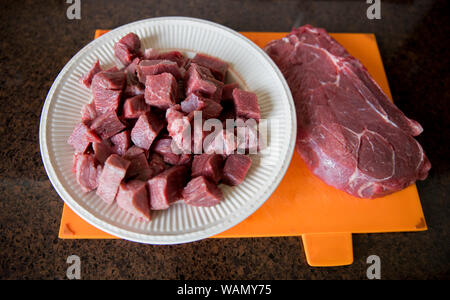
37, 40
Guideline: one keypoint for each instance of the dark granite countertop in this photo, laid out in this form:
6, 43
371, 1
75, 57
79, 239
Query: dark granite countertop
37, 40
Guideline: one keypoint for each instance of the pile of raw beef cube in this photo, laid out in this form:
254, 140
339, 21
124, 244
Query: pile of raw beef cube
124, 144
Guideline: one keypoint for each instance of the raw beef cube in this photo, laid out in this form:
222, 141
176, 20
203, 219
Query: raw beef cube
222, 142
208, 165
134, 107
113, 69
235, 168
179, 128
349, 133
134, 89
138, 165
175, 56
166, 187
163, 147
156, 164
151, 54
155, 67
102, 151
133, 151
131, 69
121, 142
127, 48
107, 125
133, 197
105, 100
209, 108
246, 104
146, 129
180, 92
113, 172
227, 91
218, 67
87, 78
185, 159
86, 172
81, 138
228, 112
109, 80
161, 90
201, 192
199, 80
88, 112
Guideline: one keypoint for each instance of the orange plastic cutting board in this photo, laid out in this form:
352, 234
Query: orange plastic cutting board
303, 205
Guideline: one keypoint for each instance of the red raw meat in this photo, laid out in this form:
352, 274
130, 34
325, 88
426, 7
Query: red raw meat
179, 128
121, 142
161, 90
138, 165
134, 107
107, 125
146, 129
82, 137
176, 56
109, 80
113, 172
158, 66
200, 80
166, 187
349, 133
133, 197
102, 151
88, 113
246, 104
141, 155
235, 168
218, 67
127, 48
201, 192
135, 150
209, 108
208, 165
86, 172
227, 91
163, 147
156, 164
86, 80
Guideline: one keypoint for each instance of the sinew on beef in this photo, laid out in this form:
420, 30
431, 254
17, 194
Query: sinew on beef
349, 133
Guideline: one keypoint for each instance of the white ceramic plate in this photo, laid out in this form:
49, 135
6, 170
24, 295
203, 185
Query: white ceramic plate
249, 65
